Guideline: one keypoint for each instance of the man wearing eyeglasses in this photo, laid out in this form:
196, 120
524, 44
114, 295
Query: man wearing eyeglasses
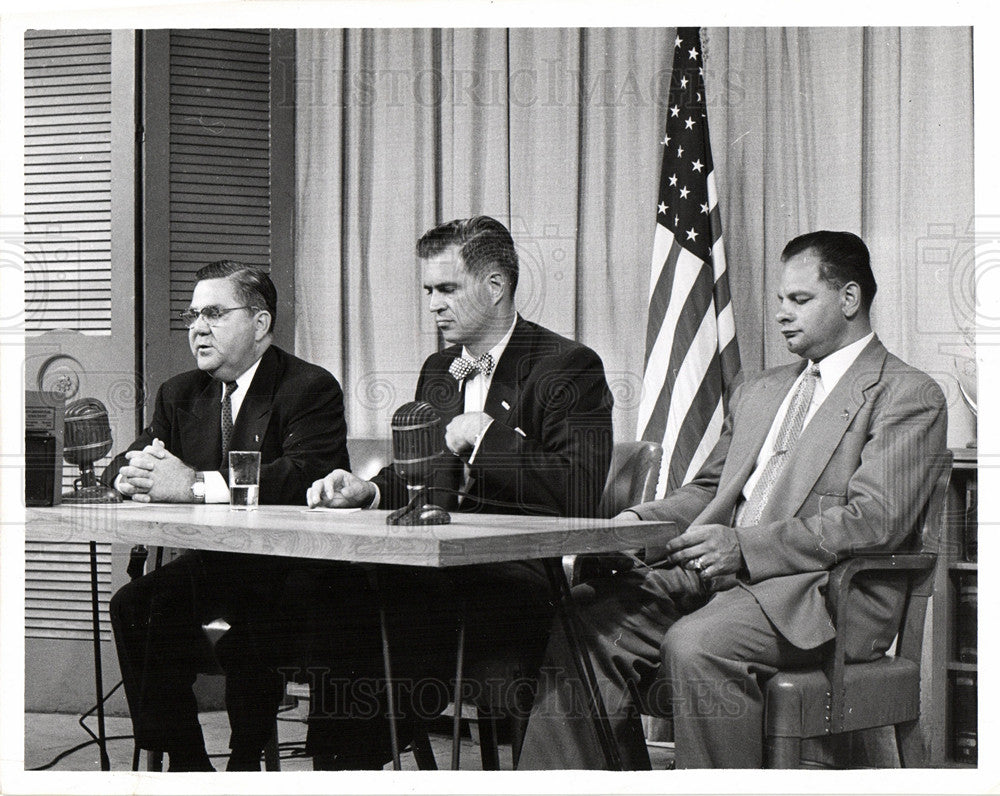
246, 394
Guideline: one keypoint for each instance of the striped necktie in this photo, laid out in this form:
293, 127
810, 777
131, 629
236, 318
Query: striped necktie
227, 418
791, 427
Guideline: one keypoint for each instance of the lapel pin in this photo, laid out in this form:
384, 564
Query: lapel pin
256, 437
505, 405
846, 415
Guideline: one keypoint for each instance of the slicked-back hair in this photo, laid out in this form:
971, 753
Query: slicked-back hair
483, 242
253, 286
843, 258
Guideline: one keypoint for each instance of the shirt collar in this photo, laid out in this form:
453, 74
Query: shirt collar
244, 379
833, 366
498, 349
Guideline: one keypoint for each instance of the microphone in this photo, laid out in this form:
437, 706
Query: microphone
417, 451
87, 437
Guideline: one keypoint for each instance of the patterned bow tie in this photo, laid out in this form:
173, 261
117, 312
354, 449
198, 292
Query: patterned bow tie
461, 368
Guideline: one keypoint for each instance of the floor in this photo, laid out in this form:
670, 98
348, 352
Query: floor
49, 736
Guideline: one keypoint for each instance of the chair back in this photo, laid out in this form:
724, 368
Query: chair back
632, 477
369, 454
911, 633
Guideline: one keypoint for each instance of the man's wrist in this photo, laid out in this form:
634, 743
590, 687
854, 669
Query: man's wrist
198, 488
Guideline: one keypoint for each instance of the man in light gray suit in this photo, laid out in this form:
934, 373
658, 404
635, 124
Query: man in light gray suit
817, 461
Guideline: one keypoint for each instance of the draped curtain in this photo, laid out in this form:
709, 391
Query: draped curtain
556, 133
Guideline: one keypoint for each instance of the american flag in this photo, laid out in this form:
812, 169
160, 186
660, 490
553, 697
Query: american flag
692, 356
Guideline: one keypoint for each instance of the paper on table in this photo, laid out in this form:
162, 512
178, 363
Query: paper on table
330, 511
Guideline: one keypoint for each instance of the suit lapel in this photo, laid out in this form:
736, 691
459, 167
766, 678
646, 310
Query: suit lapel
251, 423
823, 433
442, 390
201, 425
757, 414
514, 364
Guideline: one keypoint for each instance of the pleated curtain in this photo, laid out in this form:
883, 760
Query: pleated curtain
556, 133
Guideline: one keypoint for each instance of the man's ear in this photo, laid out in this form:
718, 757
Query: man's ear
850, 299
261, 324
497, 284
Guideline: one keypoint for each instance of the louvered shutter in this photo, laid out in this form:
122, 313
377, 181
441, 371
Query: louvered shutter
67, 156
219, 154
68, 271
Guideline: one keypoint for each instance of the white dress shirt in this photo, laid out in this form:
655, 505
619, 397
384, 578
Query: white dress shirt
478, 387
216, 488
831, 369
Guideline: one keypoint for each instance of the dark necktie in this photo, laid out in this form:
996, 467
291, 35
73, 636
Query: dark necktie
227, 418
788, 435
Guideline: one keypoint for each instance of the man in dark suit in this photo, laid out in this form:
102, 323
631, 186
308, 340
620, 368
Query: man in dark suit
527, 420
246, 394
819, 460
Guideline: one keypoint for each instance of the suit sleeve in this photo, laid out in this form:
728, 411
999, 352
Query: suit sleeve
313, 439
159, 428
685, 503
884, 496
561, 467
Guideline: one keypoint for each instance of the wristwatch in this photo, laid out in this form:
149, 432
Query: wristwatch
198, 488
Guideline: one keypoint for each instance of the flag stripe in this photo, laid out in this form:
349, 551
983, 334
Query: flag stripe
695, 424
688, 327
660, 298
691, 352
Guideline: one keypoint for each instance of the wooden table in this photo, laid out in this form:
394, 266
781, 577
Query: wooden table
358, 537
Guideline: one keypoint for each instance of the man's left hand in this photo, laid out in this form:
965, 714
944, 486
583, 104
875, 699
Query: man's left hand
170, 478
710, 550
461, 434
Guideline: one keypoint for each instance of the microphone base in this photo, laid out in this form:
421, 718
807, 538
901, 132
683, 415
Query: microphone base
419, 512
92, 494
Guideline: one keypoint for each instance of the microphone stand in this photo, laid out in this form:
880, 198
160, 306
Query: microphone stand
419, 511
87, 489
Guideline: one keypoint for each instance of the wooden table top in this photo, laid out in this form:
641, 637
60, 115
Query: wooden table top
358, 536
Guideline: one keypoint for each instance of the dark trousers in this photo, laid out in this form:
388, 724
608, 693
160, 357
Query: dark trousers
505, 607
704, 667
157, 621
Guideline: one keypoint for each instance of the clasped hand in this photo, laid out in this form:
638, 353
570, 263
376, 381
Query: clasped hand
155, 474
710, 550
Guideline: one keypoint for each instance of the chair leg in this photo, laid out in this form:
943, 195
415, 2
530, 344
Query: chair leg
518, 729
783, 752
421, 746
488, 749
272, 760
154, 761
912, 749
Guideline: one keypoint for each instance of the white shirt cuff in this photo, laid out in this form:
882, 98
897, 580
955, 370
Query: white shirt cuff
216, 490
376, 500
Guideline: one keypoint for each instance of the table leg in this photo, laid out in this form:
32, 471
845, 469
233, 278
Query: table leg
456, 722
387, 666
95, 607
585, 670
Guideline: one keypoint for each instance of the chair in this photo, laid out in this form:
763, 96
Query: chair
842, 697
632, 478
819, 707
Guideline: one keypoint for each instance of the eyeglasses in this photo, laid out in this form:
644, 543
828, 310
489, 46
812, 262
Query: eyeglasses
212, 315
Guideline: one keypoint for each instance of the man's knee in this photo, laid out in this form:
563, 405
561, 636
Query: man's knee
123, 604
685, 646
